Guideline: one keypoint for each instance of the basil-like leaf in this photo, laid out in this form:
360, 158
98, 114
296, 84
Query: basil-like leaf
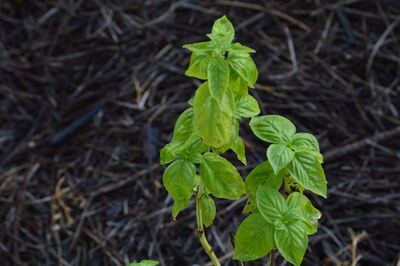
271, 204
198, 65
167, 153
310, 214
238, 48
279, 155
273, 128
207, 209
292, 242
184, 126
218, 76
308, 172
244, 66
222, 31
254, 238
246, 106
304, 141
179, 180
214, 116
200, 47
263, 174
237, 84
220, 177
238, 148
145, 263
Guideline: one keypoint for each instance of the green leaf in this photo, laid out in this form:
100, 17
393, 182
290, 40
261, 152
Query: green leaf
273, 128
304, 141
218, 76
222, 31
234, 136
198, 65
238, 48
292, 242
244, 66
179, 180
207, 209
237, 84
220, 177
167, 154
184, 126
308, 172
200, 47
239, 149
310, 214
246, 106
279, 155
145, 263
254, 238
263, 174
271, 204
214, 117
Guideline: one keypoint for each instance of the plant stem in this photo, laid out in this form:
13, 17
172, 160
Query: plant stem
200, 229
271, 261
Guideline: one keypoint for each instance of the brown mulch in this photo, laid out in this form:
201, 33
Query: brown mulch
90, 91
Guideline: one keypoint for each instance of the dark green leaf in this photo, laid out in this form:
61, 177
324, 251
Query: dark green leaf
220, 177
279, 155
271, 204
246, 106
254, 238
179, 180
244, 66
292, 242
214, 117
207, 209
273, 128
198, 65
308, 172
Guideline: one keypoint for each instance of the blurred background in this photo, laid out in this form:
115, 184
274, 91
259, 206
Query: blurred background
90, 91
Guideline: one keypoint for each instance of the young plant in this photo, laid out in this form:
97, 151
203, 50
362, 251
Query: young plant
211, 126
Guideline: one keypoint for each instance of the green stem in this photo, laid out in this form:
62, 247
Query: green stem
200, 229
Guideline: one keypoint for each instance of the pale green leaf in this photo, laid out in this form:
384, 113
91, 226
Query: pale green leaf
308, 172
246, 106
238, 48
214, 117
198, 65
179, 180
254, 238
218, 76
144, 263
292, 242
310, 214
207, 209
222, 31
304, 141
220, 177
244, 66
273, 128
271, 204
200, 47
279, 155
